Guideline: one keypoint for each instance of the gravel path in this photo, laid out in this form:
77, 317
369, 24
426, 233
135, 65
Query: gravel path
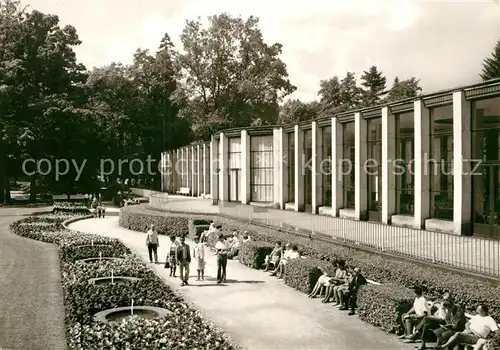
31, 301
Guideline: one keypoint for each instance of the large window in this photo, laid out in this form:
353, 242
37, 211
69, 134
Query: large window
486, 178
261, 168
403, 164
307, 170
217, 169
291, 167
234, 168
441, 162
326, 165
373, 166
348, 165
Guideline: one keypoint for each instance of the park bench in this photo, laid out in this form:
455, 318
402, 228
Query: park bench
183, 191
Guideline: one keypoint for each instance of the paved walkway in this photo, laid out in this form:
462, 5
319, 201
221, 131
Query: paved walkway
31, 301
472, 253
257, 310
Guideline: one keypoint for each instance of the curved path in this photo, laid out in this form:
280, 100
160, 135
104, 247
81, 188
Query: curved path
258, 311
31, 301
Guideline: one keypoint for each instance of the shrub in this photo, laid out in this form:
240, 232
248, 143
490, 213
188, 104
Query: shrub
184, 328
302, 274
166, 224
383, 306
253, 254
494, 343
70, 208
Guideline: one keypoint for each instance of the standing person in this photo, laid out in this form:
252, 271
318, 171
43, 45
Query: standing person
152, 244
221, 251
172, 256
199, 256
183, 259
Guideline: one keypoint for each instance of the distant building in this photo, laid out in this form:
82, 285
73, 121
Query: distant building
431, 163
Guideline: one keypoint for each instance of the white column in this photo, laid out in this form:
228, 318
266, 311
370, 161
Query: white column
199, 170
214, 185
193, 171
284, 169
336, 168
421, 122
175, 170
388, 157
462, 181
245, 167
360, 175
223, 161
299, 169
317, 143
278, 166
183, 167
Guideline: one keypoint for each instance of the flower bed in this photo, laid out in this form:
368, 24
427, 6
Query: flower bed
253, 254
383, 306
183, 329
70, 208
166, 224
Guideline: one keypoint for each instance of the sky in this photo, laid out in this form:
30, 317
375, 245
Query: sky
442, 43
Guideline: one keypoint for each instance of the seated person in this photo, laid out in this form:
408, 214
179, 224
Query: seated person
323, 282
292, 255
350, 296
246, 237
454, 323
273, 259
480, 328
235, 246
413, 317
433, 321
284, 256
336, 282
212, 230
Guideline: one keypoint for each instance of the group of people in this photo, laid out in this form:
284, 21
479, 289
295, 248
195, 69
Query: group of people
279, 258
447, 321
180, 254
341, 287
97, 207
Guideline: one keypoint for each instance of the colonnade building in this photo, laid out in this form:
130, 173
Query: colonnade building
430, 163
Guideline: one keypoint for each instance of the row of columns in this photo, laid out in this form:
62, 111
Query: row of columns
214, 166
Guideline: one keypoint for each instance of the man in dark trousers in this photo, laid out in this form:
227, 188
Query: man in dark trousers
183, 260
350, 296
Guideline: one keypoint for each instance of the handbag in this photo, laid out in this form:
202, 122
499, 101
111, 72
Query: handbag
167, 264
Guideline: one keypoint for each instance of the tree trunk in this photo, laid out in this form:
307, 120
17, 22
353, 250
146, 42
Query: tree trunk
33, 189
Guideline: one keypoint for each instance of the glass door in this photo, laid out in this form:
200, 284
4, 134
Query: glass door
234, 185
487, 201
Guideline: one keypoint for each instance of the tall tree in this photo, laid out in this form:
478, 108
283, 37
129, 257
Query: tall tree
402, 89
296, 111
374, 83
340, 96
491, 65
230, 75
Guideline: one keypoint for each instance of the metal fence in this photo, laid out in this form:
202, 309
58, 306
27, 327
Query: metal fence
474, 254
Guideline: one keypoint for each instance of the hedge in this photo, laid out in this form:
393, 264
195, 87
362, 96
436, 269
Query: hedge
184, 328
253, 254
395, 271
169, 225
383, 306
70, 208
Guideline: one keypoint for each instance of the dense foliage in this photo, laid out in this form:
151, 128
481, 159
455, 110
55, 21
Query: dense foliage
183, 328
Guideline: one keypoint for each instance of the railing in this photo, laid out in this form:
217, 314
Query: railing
473, 254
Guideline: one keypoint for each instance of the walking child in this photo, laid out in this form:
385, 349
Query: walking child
152, 243
199, 256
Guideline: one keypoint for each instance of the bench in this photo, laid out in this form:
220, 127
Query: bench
183, 191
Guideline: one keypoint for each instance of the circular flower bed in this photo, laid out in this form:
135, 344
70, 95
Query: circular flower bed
110, 280
118, 314
183, 328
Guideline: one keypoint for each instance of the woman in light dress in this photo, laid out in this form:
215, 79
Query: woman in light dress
199, 257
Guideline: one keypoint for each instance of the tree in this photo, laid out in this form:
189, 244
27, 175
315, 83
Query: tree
340, 96
374, 83
491, 65
404, 89
296, 111
230, 75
